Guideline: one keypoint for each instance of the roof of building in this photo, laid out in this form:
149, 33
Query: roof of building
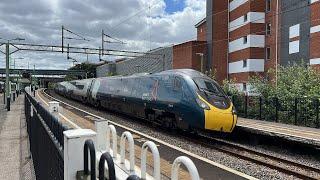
201, 22
187, 42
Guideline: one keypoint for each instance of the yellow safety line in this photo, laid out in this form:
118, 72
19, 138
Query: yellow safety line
65, 118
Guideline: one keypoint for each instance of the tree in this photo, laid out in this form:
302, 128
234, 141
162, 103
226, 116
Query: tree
292, 97
89, 68
295, 80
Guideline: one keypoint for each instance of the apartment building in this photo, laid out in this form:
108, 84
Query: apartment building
242, 38
248, 37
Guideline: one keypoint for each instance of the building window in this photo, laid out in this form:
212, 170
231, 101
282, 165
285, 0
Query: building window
244, 87
245, 18
200, 29
244, 63
268, 53
294, 31
268, 5
268, 28
245, 40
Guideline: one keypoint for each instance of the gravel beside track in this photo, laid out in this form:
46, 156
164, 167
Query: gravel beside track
244, 166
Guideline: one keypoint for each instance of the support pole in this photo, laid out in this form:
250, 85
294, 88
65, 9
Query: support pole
7, 94
62, 38
164, 62
102, 42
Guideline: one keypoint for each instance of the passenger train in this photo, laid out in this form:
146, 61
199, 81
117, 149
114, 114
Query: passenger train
181, 98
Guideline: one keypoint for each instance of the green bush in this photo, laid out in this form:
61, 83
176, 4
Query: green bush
294, 91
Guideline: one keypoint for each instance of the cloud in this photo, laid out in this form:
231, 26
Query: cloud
132, 21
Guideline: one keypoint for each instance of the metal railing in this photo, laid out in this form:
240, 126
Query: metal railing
303, 111
46, 140
118, 166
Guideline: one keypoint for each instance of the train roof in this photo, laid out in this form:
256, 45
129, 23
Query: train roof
186, 72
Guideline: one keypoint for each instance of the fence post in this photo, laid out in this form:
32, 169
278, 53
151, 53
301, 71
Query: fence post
246, 106
89, 145
114, 140
31, 110
73, 156
106, 157
232, 99
260, 107
317, 113
127, 135
276, 104
188, 164
295, 111
54, 109
101, 126
156, 160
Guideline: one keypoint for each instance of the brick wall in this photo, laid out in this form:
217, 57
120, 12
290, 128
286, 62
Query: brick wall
201, 32
185, 55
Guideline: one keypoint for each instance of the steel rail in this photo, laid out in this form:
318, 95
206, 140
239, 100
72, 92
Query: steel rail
257, 157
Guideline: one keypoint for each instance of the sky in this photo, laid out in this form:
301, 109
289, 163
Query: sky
141, 24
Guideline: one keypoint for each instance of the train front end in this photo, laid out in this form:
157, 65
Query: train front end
219, 112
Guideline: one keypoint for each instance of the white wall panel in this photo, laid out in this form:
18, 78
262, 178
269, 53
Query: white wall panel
253, 65
315, 29
315, 61
294, 47
235, 4
252, 41
294, 31
253, 17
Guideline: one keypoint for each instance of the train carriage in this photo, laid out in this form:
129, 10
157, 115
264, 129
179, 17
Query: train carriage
184, 98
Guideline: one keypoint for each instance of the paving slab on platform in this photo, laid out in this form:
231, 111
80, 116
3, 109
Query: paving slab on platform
299, 134
16, 162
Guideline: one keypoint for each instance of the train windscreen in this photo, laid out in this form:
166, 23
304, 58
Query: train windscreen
209, 86
212, 92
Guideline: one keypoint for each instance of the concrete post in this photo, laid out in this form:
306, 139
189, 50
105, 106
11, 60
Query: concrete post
101, 129
31, 110
73, 150
54, 109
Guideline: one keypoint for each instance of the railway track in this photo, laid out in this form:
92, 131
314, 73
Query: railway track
280, 164
289, 167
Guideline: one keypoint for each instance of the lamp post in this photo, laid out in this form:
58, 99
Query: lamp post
14, 61
17, 80
201, 61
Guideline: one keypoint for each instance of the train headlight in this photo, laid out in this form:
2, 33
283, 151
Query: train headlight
202, 104
234, 111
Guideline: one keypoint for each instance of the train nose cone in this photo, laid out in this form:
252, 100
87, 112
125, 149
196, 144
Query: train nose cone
220, 121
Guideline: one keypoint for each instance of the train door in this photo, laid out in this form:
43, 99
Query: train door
89, 91
137, 93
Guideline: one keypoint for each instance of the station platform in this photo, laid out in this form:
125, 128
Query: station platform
303, 135
16, 161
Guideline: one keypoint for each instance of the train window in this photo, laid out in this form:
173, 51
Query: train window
209, 86
80, 86
177, 84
